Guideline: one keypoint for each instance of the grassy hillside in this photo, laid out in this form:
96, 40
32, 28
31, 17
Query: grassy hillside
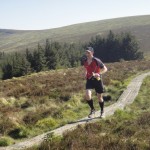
12, 40
126, 130
40, 102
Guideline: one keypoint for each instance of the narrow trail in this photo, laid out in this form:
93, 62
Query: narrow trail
126, 98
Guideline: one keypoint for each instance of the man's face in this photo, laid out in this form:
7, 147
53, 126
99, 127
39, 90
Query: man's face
89, 54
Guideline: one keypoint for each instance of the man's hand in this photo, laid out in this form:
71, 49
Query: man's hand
96, 75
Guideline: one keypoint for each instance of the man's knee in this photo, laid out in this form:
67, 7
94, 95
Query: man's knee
100, 97
88, 95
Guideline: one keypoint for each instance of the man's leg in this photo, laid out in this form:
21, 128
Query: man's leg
99, 90
101, 103
90, 102
89, 98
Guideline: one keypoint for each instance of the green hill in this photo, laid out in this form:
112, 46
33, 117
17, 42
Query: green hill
12, 40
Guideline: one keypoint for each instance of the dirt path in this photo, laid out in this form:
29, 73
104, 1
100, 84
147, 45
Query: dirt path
126, 98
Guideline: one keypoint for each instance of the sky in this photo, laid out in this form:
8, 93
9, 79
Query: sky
47, 14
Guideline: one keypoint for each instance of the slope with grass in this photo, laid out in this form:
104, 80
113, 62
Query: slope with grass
127, 130
43, 101
51, 141
12, 40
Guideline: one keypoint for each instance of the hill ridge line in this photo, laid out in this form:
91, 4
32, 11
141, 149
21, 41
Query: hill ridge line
19, 40
126, 98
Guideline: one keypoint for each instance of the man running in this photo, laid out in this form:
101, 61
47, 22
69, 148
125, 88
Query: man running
94, 68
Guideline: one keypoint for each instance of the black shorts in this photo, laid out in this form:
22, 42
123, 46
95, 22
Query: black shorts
93, 83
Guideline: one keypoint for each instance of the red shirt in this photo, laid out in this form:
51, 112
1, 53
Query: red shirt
92, 67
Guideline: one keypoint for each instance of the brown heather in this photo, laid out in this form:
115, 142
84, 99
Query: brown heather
67, 80
126, 130
26, 100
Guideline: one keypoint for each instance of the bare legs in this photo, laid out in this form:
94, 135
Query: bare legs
101, 102
90, 101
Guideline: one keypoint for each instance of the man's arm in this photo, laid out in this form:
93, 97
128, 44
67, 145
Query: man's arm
103, 70
84, 72
101, 65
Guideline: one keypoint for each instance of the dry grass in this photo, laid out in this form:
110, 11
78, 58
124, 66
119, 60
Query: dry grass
26, 100
126, 130
69, 80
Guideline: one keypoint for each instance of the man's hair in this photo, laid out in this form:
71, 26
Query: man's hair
90, 49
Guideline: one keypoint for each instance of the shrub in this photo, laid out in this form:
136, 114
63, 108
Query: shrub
3, 101
69, 115
20, 132
65, 96
123, 115
49, 141
31, 118
47, 123
25, 105
144, 119
6, 125
76, 100
6, 141
116, 83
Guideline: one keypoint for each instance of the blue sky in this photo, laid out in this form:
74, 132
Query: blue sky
46, 14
